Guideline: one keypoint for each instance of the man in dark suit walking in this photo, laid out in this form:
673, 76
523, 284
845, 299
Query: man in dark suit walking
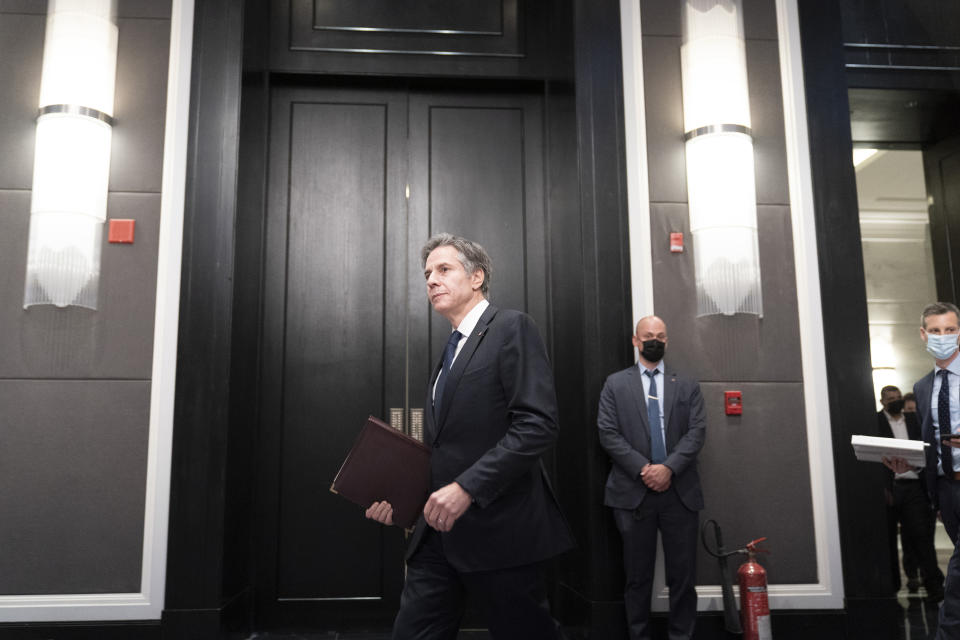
907, 503
652, 424
938, 405
492, 516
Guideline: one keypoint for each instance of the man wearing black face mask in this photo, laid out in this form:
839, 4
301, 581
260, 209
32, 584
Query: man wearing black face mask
652, 424
908, 505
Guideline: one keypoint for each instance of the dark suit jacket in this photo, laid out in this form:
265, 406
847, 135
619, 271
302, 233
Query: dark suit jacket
923, 389
498, 414
625, 435
884, 431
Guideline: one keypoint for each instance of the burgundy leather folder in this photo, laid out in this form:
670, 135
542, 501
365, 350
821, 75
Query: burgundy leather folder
385, 464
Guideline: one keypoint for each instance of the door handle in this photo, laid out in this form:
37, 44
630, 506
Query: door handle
416, 424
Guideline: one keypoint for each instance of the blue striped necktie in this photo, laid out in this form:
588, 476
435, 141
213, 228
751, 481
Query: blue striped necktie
658, 450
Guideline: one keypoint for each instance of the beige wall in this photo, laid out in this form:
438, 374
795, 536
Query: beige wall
898, 264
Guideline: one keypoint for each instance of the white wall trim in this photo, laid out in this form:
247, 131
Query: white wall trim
815, 391
827, 593
638, 183
148, 604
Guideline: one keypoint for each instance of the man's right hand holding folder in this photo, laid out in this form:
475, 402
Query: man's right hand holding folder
443, 508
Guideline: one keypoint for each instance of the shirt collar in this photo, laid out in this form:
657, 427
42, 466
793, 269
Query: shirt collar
953, 367
659, 368
470, 321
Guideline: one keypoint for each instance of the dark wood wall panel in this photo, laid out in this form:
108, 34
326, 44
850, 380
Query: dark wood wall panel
885, 35
488, 38
477, 171
941, 167
487, 143
334, 362
459, 27
436, 17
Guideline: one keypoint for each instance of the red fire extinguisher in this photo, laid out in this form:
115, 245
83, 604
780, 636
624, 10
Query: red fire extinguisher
754, 605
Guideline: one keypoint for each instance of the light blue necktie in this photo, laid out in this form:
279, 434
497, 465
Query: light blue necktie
658, 450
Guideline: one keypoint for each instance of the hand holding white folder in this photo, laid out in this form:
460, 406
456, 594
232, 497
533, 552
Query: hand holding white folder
874, 449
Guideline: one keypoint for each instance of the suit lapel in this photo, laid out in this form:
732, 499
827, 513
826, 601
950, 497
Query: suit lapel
430, 423
460, 364
669, 399
925, 408
636, 389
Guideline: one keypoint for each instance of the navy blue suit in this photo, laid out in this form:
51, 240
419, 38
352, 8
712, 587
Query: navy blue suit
497, 416
624, 432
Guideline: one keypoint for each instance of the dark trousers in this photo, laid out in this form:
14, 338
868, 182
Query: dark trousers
949, 620
513, 600
678, 527
948, 491
911, 509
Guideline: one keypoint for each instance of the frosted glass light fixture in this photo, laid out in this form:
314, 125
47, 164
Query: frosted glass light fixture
719, 149
72, 157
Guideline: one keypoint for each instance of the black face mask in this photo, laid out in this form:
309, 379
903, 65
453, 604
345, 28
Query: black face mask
653, 350
894, 407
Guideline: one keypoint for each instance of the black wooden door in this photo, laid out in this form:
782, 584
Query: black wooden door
347, 328
941, 166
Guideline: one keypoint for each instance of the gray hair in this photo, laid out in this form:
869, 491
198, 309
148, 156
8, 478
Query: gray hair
938, 309
471, 255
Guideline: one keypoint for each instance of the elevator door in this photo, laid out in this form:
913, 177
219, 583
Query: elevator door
358, 180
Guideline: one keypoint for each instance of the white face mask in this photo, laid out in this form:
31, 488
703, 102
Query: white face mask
942, 346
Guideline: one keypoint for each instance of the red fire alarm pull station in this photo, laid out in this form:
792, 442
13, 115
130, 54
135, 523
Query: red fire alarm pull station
676, 242
121, 231
733, 402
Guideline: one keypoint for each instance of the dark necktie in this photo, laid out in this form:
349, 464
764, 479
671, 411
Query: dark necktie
943, 415
448, 353
658, 450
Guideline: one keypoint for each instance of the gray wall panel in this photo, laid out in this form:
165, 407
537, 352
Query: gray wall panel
115, 341
21, 50
742, 347
74, 383
662, 18
766, 116
759, 19
663, 99
139, 105
663, 102
23, 6
72, 478
144, 8
755, 467
756, 478
125, 8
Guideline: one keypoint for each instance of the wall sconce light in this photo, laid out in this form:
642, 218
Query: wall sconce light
72, 159
719, 149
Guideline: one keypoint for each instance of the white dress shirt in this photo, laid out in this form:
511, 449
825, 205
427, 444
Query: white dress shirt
466, 327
